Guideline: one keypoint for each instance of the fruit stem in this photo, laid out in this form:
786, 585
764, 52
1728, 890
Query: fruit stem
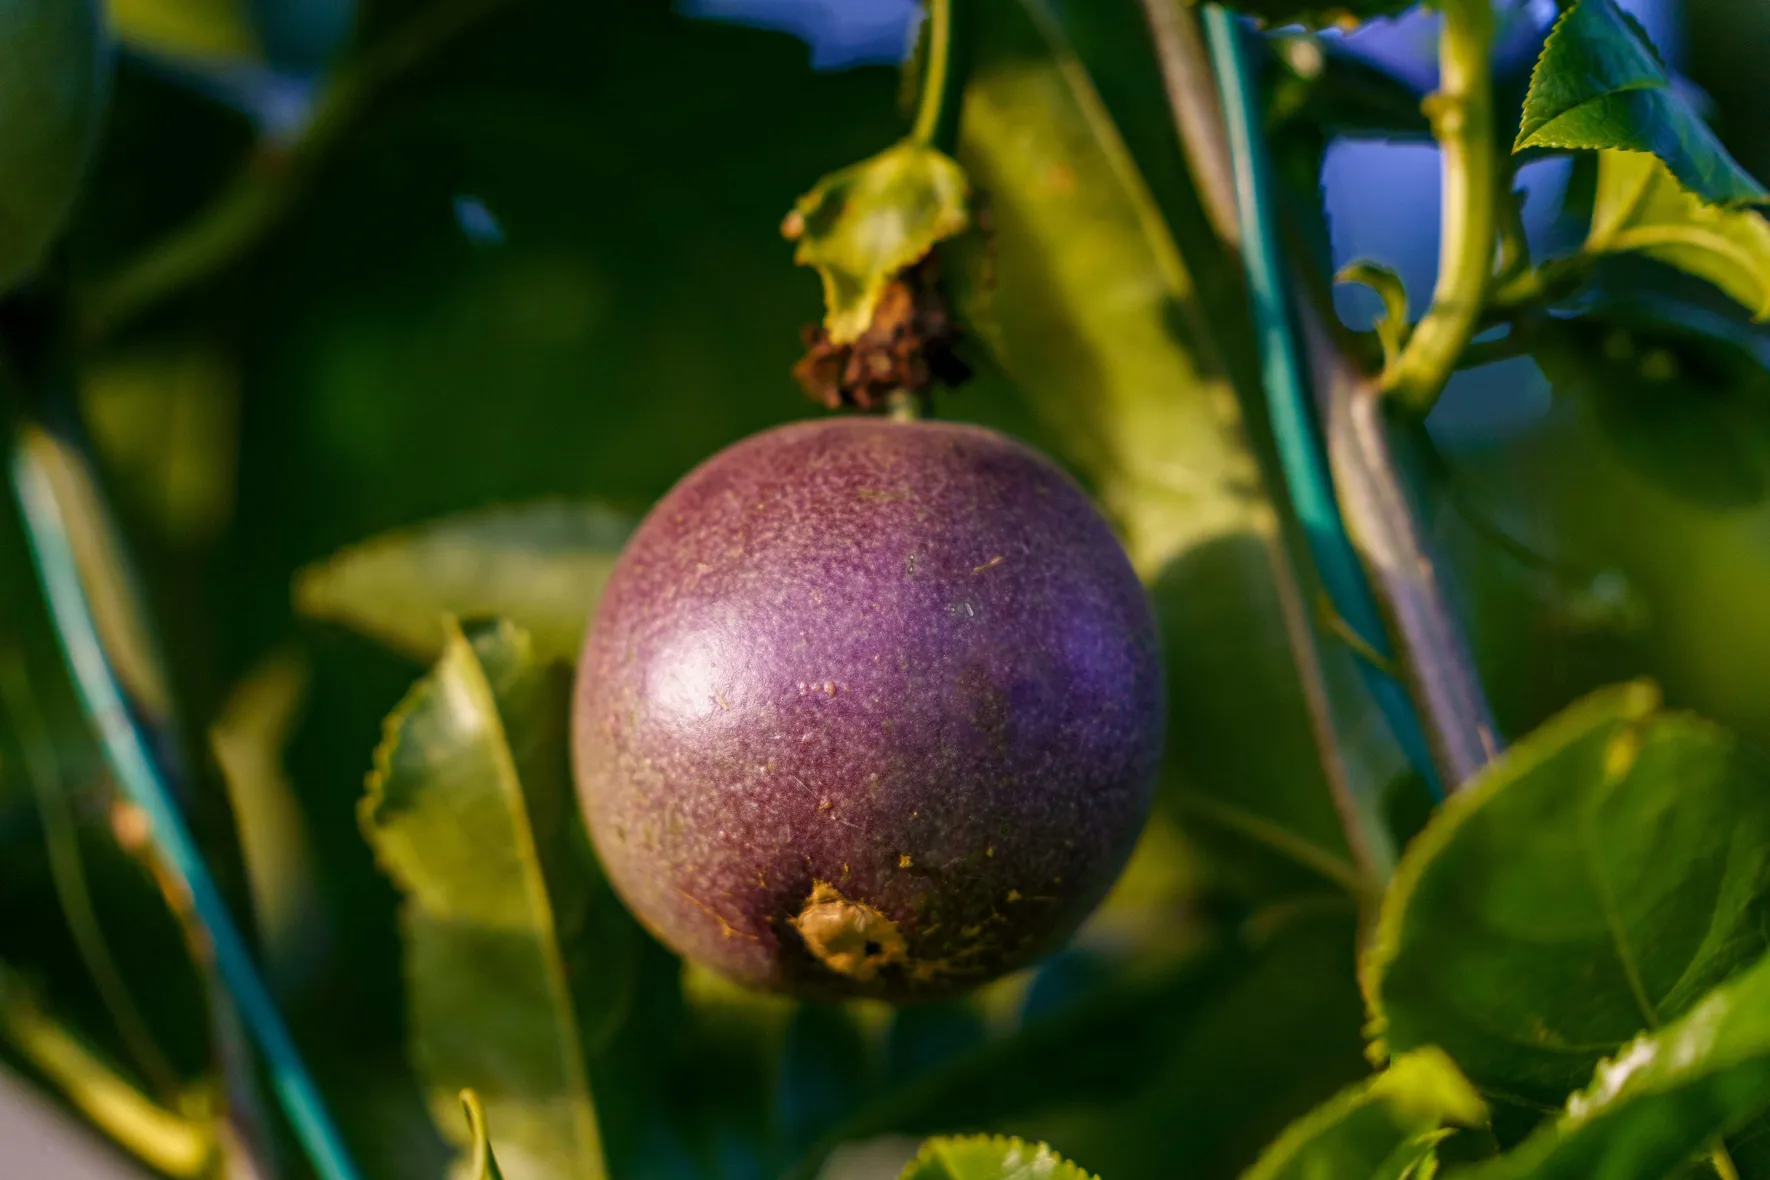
937, 109
1462, 118
906, 405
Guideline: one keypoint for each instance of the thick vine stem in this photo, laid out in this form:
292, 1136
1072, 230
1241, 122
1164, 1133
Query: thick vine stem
1436, 665
1462, 118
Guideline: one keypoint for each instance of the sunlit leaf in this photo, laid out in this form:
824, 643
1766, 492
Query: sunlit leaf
1662, 1098
859, 227
470, 810
201, 29
1599, 85
481, 1163
248, 741
541, 565
1641, 208
1594, 883
989, 1157
1086, 298
1382, 1129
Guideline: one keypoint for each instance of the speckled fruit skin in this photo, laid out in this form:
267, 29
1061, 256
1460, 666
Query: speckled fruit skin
869, 708
54, 71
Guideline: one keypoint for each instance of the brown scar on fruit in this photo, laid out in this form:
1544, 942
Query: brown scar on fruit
851, 938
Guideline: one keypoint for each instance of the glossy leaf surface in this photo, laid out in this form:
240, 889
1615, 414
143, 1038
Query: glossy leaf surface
1599, 84
1616, 859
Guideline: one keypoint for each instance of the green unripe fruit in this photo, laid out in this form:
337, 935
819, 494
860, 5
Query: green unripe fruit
54, 68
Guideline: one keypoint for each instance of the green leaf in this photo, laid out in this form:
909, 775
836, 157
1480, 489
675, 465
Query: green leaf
1382, 1129
1641, 208
470, 810
1114, 326
1599, 84
481, 1163
1663, 1098
542, 565
1594, 883
202, 30
862, 225
1684, 401
989, 1157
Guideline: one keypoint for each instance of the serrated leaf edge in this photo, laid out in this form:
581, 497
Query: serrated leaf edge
590, 1135
931, 1149
1525, 136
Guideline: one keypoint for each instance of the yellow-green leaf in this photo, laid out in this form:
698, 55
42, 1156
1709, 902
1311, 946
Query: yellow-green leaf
1110, 324
1599, 84
470, 810
989, 1157
1382, 1129
197, 29
862, 225
248, 739
481, 1163
541, 565
1641, 208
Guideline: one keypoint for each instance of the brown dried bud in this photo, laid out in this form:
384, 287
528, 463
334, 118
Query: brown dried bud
907, 348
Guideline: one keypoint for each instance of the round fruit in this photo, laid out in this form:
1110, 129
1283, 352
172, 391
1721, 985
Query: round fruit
53, 72
869, 708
